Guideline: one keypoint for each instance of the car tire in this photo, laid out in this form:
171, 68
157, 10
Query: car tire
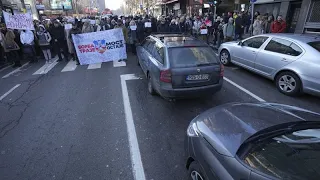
289, 83
150, 86
196, 170
138, 63
225, 58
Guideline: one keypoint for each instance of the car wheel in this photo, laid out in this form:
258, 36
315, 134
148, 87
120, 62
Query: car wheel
225, 57
288, 83
150, 86
195, 172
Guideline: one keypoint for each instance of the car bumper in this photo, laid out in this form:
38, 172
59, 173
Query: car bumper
191, 92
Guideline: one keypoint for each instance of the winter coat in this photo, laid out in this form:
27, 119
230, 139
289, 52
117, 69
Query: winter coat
87, 28
182, 27
196, 27
228, 30
73, 31
278, 27
27, 37
8, 42
239, 25
267, 27
124, 31
132, 34
258, 27
44, 38
57, 33
174, 28
163, 28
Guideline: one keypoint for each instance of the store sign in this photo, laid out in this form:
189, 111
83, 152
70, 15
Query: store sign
61, 4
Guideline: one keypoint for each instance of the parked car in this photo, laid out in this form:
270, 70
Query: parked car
179, 66
248, 141
291, 60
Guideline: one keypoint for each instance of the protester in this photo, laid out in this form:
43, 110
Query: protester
174, 28
229, 30
59, 41
163, 27
140, 30
258, 26
182, 25
239, 27
44, 39
196, 26
27, 41
268, 24
215, 30
133, 36
10, 47
87, 27
124, 31
278, 26
75, 30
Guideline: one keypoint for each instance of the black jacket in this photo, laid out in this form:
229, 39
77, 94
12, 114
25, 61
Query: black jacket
57, 33
240, 23
163, 28
174, 28
183, 27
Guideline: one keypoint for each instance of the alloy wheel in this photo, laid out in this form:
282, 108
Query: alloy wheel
196, 175
287, 83
224, 58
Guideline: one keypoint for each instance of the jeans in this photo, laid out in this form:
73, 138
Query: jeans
61, 45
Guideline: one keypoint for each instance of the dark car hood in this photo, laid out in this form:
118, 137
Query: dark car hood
226, 127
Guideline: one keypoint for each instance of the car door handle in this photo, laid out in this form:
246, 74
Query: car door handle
253, 52
284, 59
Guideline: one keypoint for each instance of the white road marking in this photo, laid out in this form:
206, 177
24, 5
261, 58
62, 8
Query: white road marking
244, 90
16, 70
136, 162
5, 68
94, 66
10, 91
71, 66
46, 68
119, 64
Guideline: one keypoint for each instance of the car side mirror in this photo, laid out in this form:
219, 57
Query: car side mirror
240, 43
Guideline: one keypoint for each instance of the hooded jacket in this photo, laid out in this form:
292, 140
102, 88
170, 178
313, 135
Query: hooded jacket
27, 37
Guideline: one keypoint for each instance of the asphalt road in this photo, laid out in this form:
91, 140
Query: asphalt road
74, 125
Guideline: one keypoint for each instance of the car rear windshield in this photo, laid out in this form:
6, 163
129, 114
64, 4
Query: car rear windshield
315, 45
292, 156
191, 56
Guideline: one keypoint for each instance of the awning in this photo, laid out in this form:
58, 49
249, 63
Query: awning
171, 1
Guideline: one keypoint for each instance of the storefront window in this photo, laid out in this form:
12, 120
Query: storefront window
314, 15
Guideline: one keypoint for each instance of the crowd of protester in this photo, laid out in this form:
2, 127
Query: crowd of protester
50, 38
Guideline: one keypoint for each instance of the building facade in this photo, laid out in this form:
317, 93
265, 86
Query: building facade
302, 16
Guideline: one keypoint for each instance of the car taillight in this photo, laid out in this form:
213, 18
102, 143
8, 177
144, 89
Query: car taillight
221, 70
165, 76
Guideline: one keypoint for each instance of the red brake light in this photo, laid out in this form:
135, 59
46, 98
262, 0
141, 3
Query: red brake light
165, 76
221, 70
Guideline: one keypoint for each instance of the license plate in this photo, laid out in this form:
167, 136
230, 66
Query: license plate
198, 77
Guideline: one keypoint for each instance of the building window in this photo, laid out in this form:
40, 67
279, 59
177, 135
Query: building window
314, 15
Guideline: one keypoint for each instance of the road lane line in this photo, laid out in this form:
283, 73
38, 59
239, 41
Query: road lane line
15, 71
136, 162
46, 68
71, 66
94, 66
10, 91
5, 68
244, 90
119, 64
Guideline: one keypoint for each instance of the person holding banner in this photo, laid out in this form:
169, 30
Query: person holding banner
27, 41
10, 47
124, 31
74, 30
58, 36
44, 39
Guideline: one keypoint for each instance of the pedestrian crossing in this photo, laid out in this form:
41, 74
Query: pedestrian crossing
47, 67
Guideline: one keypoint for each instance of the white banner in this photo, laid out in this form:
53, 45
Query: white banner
102, 46
18, 21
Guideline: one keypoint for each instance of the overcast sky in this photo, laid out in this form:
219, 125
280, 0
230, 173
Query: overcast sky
113, 4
